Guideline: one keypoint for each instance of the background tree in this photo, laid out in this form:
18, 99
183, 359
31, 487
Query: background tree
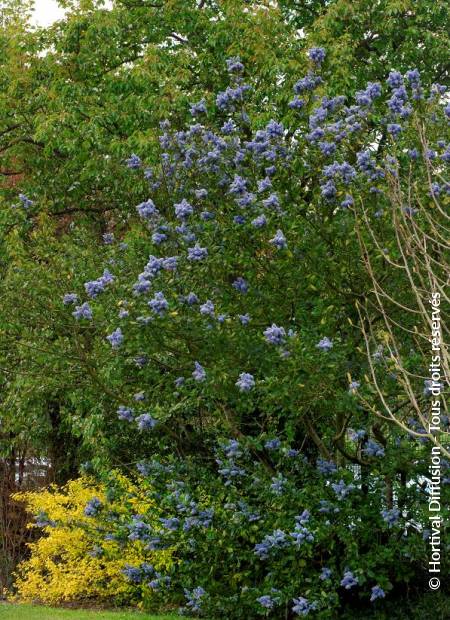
78, 99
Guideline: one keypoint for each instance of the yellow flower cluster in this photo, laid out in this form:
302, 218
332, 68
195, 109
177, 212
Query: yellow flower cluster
61, 568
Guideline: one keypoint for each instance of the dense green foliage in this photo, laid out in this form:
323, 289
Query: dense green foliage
72, 114
77, 100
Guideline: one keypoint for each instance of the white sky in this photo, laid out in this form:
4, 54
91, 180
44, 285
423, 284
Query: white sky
46, 12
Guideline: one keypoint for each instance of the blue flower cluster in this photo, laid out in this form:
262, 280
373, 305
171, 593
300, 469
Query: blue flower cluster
275, 541
372, 448
302, 606
93, 507
390, 516
195, 598
349, 580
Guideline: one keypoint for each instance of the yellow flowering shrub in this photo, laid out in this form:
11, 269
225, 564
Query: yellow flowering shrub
65, 563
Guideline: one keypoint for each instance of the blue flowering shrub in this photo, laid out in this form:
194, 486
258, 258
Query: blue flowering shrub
221, 329
266, 532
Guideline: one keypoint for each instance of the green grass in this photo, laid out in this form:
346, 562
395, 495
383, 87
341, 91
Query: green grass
36, 612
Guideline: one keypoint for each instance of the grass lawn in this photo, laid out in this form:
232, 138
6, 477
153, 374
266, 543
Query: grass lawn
36, 612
